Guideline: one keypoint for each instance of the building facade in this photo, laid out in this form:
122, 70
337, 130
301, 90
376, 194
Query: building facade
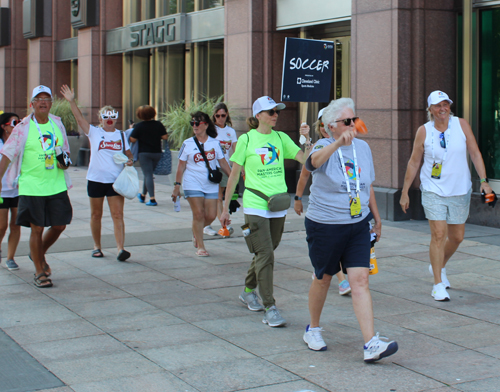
389, 55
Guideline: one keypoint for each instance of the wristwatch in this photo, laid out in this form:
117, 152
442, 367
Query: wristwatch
177, 183
297, 197
484, 180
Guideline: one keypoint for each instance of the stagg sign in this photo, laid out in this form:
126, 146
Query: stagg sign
146, 34
307, 70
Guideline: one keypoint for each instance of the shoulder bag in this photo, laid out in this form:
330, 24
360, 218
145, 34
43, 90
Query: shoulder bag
214, 175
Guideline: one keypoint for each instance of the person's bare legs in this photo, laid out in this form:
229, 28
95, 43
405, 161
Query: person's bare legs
4, 223
36, 249
455, 238
317, 298
14, 235
220, 203
96, 204
439, 233
362, 300
116, 204
340, 276
197, 205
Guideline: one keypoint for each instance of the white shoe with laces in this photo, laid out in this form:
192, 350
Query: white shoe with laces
439, 292
313, 338
209, 231
444, 278
379, 347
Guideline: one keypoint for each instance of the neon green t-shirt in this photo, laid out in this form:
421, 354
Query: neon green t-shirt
263, 158
35, 180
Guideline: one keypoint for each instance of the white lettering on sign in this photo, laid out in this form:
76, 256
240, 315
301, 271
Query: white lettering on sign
314, 65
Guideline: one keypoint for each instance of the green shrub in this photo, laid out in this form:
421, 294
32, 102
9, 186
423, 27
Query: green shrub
61, 108
176, 119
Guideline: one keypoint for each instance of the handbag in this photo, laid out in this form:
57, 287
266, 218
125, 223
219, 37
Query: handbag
214, 175
164, 166
278, 202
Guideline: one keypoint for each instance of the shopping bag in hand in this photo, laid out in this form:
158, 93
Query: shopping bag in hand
127, 182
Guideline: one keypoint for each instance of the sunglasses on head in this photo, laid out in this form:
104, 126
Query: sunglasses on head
220, 115
13, 123
109, 114
442, 141
272, 111
347, 121
196, 123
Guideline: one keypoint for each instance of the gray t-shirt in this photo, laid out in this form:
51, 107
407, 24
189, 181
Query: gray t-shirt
329, 201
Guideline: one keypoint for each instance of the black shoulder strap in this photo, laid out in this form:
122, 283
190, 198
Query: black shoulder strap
123, 141
202, 151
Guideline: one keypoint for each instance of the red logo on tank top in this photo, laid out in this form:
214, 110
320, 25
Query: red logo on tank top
111, 145
210, 156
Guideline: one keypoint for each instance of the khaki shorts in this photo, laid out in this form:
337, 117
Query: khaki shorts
223, 182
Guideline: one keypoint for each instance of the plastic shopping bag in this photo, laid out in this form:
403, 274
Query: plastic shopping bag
127, 182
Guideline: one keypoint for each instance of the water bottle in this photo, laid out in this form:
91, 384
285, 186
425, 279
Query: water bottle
246, 231
177, 204
373, 258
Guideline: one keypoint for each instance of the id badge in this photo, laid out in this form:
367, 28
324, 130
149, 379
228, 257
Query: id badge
436, 170
49, 161
355, 207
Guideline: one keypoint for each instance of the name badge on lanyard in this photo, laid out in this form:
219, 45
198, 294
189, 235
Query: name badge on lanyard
49, 153
437, 166
354, 202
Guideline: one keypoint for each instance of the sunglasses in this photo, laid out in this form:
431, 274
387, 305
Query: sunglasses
442, 141
13, 123
109, 115
196, 123
347, 121
220, 115
273, 111
42, 99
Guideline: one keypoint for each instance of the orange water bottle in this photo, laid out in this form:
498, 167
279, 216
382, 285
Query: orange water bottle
373, 258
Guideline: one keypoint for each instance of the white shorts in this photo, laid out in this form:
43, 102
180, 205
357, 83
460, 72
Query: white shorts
453, 209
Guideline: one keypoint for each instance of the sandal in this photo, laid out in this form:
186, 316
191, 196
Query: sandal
123, 255
46, 267
202, 253
97, 253
42, 283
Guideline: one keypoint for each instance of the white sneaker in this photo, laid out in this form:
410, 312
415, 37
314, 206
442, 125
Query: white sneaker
313, 338
209, 231
439, 292
444, 278
231, 230
377, 349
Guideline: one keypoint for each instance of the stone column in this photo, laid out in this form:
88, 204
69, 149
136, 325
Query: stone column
401, 51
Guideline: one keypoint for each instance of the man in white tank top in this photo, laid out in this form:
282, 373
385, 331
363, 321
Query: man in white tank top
443, 143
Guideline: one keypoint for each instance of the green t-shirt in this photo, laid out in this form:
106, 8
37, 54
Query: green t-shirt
263, 158
35, 180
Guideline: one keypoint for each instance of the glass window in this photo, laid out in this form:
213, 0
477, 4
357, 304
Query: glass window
489, 63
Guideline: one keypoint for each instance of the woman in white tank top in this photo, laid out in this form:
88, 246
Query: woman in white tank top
443, 143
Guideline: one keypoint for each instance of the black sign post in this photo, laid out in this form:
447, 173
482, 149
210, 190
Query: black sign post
307, 70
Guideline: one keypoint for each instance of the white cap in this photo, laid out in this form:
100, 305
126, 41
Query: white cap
266, 103
437, 96
320, 113
41, 89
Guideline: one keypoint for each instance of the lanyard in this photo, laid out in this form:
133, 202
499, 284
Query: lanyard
40, 132
356, 171
446, 139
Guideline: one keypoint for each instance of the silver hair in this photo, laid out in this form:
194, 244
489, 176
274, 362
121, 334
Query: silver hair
333, 111
430, 116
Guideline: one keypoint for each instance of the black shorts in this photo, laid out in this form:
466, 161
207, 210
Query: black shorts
100, 189
9, 202
44, 211
329, 245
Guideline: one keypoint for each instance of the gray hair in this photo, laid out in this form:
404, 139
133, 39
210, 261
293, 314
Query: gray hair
333, 111
430, 116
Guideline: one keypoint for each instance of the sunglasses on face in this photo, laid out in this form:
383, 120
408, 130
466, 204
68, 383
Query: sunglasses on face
42, 99
273, 111
347, 121
113, 115
13, 123
442, 141
220, 115
196, 123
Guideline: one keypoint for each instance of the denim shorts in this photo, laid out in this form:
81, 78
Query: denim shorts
453, 209
336, 247
188, 193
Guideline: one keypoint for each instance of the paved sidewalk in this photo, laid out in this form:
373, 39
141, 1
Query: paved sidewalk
170, 321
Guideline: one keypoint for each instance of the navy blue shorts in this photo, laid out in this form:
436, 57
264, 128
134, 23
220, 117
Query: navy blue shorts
336, 247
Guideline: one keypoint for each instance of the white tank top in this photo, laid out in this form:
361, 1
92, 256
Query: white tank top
455, 174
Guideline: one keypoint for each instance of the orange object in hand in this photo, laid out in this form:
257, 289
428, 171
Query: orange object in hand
224, 232
360, 126
489, 197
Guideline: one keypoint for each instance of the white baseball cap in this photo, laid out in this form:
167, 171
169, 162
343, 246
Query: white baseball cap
437, 96
41, 89
266, 103
320, 113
